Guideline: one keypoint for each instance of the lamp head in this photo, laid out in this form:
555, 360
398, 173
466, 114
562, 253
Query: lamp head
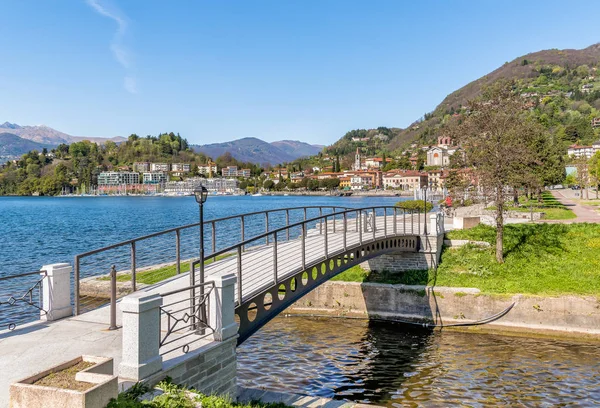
201, 194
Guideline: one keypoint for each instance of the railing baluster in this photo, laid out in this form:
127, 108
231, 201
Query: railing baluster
404, 218
275, 258
334, 220
320, 220
76, 284
133, 279
243, 228
395, 221
374, 225
360, 227
345, 231
304, 246
239, 274
325, 237
267, 226
287, 224
385, 222
113, 298
178, 251
193, 295
214, 240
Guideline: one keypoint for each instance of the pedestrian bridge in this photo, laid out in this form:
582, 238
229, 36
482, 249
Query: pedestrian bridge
277, 256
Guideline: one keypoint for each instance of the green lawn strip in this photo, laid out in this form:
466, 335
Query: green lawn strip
540, 259
550, 206
153, 276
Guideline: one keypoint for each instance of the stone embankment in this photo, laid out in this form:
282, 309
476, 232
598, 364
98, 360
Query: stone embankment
577, 316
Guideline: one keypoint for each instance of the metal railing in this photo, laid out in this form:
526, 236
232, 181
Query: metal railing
23, 295
172, 248
183, 317
266, 259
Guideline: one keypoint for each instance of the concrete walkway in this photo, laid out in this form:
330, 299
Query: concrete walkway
584, 213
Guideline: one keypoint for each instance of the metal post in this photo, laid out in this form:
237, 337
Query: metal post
243, 232
178, 251
76, 284
404, 217
345, 220
133, 279
385, 222
304, 246
193, 295
287, 224
214, 240
304, 213
239, 274
320, 220
275, 258
113, 298
267, 226
425, 211
325, 237
418, 222
201, 269
334, 220
360, 227
395, 221
374, 224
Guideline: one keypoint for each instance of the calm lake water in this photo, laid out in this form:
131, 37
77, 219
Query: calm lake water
399, 365
41, 230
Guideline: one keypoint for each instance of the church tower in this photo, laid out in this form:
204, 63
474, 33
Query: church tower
357, 159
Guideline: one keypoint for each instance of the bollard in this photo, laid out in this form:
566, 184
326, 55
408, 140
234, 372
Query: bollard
113, 298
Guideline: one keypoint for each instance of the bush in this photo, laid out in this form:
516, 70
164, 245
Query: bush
414, 205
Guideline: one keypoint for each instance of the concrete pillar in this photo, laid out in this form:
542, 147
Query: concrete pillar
436, 224
141, 336
56, 291
221, 306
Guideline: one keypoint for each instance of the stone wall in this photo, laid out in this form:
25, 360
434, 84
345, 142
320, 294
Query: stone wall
430, 248
211, 370
558, 315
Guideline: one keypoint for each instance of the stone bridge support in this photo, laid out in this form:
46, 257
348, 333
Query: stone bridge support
427, 257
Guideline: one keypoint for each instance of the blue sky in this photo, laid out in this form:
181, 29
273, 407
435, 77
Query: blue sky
216, 71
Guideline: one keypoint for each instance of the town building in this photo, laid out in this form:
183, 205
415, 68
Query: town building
436, 179
115, 178
578, 151
209, 169
357, 160
596, 122
213, 185
405, 180
181, 167
155, 177
233, 171
376, 162
141, 167
439, 156
160, 167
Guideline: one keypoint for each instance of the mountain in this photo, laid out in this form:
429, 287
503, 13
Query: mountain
251, 149
48, 136
537, 72
13, 146
298, 149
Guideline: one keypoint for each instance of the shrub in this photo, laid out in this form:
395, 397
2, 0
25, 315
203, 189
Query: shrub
414, 205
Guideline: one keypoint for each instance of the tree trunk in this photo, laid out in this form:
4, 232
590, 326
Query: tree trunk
499, 227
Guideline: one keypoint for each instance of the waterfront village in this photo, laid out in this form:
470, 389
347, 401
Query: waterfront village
366, 174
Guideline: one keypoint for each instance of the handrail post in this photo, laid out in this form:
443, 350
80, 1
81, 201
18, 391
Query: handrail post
113, 298
418, 223
304, 246
321, 221
385, 222
193, 295
325, 237
243, 232
267, 226
345, 231
214, 240
360, 227
287, 224
133, 278
275, 258
178, 251
76, 285
395, 221
334, 220
239, 275
404, 218
374, 224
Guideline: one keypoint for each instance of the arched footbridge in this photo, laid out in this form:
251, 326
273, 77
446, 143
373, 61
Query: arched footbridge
278, 256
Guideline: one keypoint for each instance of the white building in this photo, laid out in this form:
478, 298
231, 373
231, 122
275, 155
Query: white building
583, 151
180, 167
207, 169
115, 178
155, 177
160, 167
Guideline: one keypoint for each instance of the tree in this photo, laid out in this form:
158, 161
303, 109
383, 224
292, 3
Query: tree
269, 184
594, 169
496, 139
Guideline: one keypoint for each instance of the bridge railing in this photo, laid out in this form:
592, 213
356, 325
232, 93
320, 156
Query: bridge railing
266, 259
150, 258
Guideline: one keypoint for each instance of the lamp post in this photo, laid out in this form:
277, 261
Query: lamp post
201, 194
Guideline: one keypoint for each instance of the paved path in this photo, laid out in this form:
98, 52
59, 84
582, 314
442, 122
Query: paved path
35, 347
584, 213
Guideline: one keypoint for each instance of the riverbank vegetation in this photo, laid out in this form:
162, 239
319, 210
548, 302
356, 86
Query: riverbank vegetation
540, 259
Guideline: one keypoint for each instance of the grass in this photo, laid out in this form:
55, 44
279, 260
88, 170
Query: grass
180, 397
66, 378
153, 276
540, 259
549, 205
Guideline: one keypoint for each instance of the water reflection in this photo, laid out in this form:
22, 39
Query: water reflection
395, 365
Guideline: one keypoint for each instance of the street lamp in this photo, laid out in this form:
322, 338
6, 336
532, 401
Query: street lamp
201, 194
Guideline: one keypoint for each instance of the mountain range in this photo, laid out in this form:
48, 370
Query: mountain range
254, 150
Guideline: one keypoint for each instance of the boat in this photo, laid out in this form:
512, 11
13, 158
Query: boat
257, 195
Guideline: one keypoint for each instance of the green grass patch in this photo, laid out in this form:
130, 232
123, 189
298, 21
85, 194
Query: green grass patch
153, 276
553, 209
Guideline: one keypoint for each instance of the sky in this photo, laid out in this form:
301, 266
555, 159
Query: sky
215, 71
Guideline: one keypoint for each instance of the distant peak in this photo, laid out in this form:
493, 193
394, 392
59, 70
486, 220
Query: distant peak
8, 125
